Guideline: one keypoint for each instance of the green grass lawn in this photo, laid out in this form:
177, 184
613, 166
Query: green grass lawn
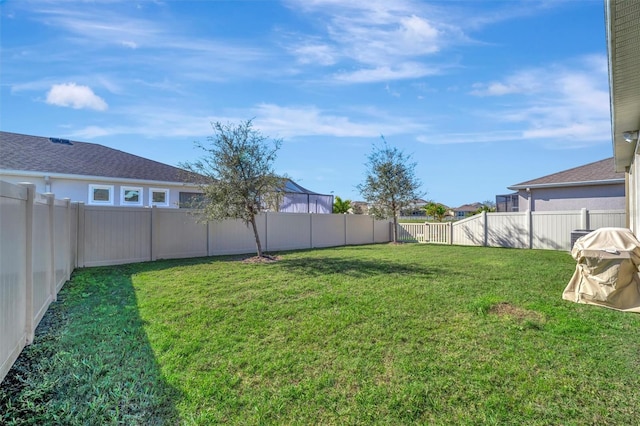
383, 334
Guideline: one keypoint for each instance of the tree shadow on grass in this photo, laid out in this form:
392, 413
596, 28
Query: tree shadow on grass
91, 362
356, 268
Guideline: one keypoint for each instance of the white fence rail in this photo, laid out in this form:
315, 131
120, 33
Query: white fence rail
536, 230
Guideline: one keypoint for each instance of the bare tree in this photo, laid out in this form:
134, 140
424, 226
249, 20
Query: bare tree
390, 184
238, 165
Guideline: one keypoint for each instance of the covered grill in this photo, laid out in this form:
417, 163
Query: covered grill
607, 270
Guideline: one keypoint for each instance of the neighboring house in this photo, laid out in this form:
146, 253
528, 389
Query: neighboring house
92, 173
594, 186
623, 39
464, 210
415, 208
360, 207
99, 175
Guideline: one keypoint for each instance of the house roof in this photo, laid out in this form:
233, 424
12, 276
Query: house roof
623, 39
598, 173
468, 207
27, 153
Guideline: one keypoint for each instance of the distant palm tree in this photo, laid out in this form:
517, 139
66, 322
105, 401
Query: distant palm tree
341, 206
436, 210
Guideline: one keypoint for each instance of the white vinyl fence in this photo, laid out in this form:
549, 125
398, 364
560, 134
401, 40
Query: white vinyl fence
37, 256
535, 230
43, 239
118, 235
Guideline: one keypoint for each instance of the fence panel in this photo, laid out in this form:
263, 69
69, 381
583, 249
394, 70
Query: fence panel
412, 232
13, 274
438, 233
177, 234
328, 230
552, 230
61, 242
359, 229
73, 236
116, 235
508, 230
288, 231
382, 231
234, 237
43, 277
469, 231
606, 219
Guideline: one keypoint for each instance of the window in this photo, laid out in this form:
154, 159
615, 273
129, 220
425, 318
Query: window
130, 196
159, 197
101, 194
190, 200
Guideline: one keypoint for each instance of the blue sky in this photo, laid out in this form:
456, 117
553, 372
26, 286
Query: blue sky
481, 94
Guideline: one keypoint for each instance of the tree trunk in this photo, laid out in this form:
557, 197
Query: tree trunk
256, 235
395, 228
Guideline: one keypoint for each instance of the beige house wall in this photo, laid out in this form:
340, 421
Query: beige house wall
591, 197
77, 189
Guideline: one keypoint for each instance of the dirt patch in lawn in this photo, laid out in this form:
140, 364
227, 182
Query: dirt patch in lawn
505, 309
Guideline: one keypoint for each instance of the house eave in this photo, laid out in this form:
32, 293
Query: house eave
623, 36
39, 174
567, 184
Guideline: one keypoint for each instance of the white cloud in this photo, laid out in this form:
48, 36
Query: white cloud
74, 96
386, 73
567, 102
318, 54
522, 82
386, 40
129, 44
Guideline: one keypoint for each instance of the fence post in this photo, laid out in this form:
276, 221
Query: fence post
52, 246
344, 221
530, 227
29, 329
450, 225
80, 236
266, 232
69, 266
584, 218
485, 224
154, 230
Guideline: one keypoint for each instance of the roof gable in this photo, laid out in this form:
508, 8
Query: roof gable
47, 155
599, 172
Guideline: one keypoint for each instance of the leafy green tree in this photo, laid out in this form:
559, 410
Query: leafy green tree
341, 206
390, 183
239, 175
436, 211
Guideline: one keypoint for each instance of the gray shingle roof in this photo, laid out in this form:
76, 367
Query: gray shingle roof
34, 153
602, 171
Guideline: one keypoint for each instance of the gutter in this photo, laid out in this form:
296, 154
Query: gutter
567, 184
40, 174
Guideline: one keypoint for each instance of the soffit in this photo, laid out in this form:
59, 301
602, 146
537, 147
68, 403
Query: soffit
623, 40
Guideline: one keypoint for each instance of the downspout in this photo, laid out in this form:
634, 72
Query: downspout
47, 183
